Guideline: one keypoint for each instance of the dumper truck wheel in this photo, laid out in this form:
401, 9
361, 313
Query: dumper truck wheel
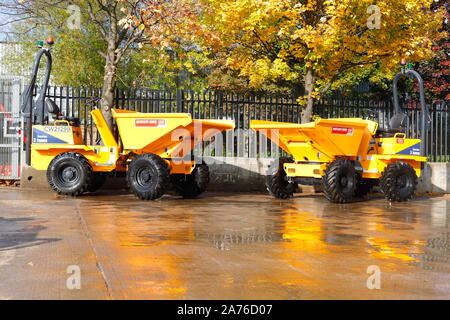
398, 182
191, 185
339, 181
276, 181
97, 181
148, 176
69, 173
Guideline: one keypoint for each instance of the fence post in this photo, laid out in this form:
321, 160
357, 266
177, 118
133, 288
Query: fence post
219, 105
66, 111
180, 96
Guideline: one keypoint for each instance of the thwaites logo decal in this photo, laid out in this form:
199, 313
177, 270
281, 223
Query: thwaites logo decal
150, 123
43, 137
346, 131
411, 151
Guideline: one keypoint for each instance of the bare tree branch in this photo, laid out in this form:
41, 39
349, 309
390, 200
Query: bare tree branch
96, 21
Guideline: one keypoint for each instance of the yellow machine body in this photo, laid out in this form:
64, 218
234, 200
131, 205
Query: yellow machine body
168, 135
316, 144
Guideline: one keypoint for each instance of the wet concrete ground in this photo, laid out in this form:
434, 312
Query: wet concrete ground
221, 246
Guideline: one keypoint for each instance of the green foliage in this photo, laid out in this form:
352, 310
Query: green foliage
73, 63
155, 68
77, 58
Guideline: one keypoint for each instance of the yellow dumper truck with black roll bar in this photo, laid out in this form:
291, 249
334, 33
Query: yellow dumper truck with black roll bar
348, 156
151, 148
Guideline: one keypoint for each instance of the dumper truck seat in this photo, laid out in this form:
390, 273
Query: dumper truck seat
54, 110
397, 124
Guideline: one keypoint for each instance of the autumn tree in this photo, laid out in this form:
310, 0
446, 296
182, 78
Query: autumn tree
311, 43
74, 64
79, 65
173, 35
436, 71
119, 23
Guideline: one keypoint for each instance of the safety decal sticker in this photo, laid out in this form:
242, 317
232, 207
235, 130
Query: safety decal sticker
150, 123
42, 137
346, 131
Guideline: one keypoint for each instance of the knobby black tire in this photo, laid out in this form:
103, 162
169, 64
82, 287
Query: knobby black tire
399, 182
191, 185
97, 181
276, 182
148, 176
70, 174
335, 188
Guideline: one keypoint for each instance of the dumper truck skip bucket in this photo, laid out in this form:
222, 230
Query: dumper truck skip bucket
169, 135
348, 156
320, 140
152, 151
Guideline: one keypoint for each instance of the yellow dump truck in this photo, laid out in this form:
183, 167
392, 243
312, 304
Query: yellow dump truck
346, 156
349, 156
151, 147
151, 150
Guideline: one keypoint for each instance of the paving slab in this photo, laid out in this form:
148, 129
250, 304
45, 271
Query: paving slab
222, 246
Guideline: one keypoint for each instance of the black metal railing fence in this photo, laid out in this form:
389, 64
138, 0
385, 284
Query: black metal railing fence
78, 102
438, 118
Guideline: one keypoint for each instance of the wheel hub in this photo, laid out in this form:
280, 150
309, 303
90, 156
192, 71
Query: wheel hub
69, 174
144, 176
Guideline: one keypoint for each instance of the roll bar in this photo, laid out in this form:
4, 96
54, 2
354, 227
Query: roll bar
35, 114
405, 72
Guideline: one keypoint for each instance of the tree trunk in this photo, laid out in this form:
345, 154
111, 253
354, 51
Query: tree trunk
310, 80
107, 100
109, 83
